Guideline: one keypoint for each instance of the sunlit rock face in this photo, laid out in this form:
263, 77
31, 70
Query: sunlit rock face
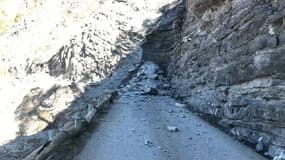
48, 47
230, 64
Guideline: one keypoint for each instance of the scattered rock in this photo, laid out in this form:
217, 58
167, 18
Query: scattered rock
266, 154
166, 86
132, 70
280, 157
149, 68
148, 143
150, 91
172, 129
170, 111
152, 76
180, 105
259, 147
182, 116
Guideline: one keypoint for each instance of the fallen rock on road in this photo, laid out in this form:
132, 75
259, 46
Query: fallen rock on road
172, 129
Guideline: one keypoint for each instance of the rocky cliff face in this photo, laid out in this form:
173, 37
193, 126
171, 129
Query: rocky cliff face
230, 64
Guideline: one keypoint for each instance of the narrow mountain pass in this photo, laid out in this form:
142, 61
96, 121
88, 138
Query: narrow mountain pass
144, 127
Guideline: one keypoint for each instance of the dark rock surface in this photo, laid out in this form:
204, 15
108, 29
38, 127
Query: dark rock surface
227, 60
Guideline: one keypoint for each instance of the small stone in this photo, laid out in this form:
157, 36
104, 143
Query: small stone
146, 142
170, 111
266, 153
172, 129
132, 70
166, 86
279, 157
271, 30
182, 116
159, 147
150, 91
152, 76
180, 105
259, 147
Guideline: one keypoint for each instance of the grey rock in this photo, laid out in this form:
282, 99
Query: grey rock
280, 157
170, 111
150, 91
152, 76
172, 129
132, 70
180, 105
147, 142
166, 86
259, 147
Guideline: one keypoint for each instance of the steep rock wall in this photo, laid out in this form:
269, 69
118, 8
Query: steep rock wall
226, 59
231, 65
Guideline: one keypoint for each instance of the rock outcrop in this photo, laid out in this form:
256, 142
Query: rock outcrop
232, 66
229, 63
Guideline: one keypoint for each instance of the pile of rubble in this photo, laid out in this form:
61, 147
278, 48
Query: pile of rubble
149, 80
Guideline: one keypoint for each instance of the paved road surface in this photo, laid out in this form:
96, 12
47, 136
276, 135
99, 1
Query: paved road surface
136, 129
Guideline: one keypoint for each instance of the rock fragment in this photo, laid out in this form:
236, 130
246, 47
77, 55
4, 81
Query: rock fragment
148, 143
259, 147
150, 91
152, 76
170, 111
166, 86
132, 70
180, 105
172, 129
280, 157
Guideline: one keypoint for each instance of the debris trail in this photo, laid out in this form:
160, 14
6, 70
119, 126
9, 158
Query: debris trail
142, 126
137, 127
